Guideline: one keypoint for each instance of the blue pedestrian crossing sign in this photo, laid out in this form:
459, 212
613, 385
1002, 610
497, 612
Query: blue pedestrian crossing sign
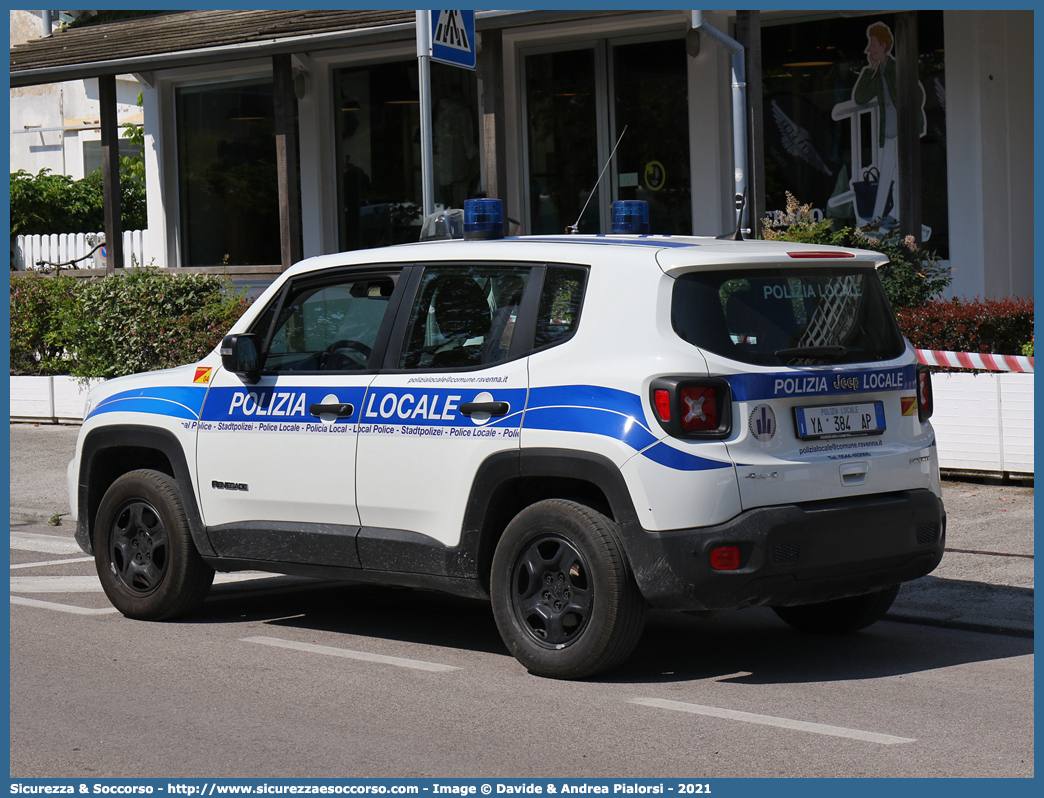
453, 38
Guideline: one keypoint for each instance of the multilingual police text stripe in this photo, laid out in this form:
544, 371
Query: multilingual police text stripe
781, 385
589, 409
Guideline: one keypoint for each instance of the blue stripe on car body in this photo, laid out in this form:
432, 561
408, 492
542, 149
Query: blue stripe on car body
176, 401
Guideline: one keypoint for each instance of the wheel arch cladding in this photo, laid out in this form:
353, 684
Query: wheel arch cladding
508, 482
110, 452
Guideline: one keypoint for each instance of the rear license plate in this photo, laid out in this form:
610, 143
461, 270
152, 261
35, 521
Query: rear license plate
839, 421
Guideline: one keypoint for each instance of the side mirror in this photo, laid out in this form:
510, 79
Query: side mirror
239, 354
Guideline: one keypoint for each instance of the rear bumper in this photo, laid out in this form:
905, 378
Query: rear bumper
793, 553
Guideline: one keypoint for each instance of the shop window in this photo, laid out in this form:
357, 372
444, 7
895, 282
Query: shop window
647, 94
377, 129
830, 121
227, 187
652, 99
562, 113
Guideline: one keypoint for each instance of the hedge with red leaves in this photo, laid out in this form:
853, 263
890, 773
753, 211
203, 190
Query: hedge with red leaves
996, 326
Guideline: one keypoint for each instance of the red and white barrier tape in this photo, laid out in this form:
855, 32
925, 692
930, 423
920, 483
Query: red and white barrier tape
976, 360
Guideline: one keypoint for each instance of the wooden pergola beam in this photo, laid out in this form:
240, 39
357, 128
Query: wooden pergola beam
286, 161
110, 150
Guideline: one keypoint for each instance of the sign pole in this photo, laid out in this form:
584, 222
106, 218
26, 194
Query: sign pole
424, 67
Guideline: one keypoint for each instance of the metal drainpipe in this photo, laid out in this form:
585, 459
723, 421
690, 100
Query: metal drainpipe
739, 105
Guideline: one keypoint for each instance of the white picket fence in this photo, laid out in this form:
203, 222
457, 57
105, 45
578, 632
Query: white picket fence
63, 247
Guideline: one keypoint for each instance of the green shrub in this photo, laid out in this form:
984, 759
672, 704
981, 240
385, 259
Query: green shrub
1027, 349
45, 203
912, 275
994, 326
141, 320
41, 309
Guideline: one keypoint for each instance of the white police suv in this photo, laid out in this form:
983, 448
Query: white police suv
574, 427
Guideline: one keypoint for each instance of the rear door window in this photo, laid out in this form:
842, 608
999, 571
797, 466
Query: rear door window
774, 317
464, 316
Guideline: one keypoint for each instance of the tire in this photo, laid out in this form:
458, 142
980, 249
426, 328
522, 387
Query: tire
840, 616
564, 598
143, 549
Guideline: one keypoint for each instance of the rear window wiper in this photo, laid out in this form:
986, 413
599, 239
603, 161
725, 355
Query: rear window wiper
828, 352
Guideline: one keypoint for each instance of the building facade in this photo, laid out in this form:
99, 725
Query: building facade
552, 97
57, 126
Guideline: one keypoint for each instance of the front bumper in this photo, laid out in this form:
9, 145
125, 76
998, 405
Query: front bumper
794, 553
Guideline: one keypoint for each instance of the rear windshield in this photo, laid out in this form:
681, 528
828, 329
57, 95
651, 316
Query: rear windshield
772, 317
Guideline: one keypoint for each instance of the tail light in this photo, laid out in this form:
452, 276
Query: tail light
692, 408
925, 399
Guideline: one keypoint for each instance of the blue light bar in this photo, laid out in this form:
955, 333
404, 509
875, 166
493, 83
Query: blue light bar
630, 216
483, 219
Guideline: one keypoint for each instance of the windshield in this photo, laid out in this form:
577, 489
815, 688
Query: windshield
774, 317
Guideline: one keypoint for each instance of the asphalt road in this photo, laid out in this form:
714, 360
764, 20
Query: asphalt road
285, 677
281, 677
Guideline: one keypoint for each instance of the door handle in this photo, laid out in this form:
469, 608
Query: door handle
493, 408
339, 410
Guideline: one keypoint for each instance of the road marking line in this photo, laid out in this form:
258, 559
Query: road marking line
51, 562
50, 605
243, 576
768, 720
88, 583
730, 676
268, 583
49, 544
56, 584
347, 654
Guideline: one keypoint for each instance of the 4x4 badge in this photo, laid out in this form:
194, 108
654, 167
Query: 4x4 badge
762, 423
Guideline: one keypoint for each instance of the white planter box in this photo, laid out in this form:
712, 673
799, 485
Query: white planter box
32, 399
48, 399
984, 422
69, 397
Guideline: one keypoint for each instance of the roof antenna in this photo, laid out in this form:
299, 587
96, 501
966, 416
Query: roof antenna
741, 201
573, 229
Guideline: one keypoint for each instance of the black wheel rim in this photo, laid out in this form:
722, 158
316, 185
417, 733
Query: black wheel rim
551, 591
139, 548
